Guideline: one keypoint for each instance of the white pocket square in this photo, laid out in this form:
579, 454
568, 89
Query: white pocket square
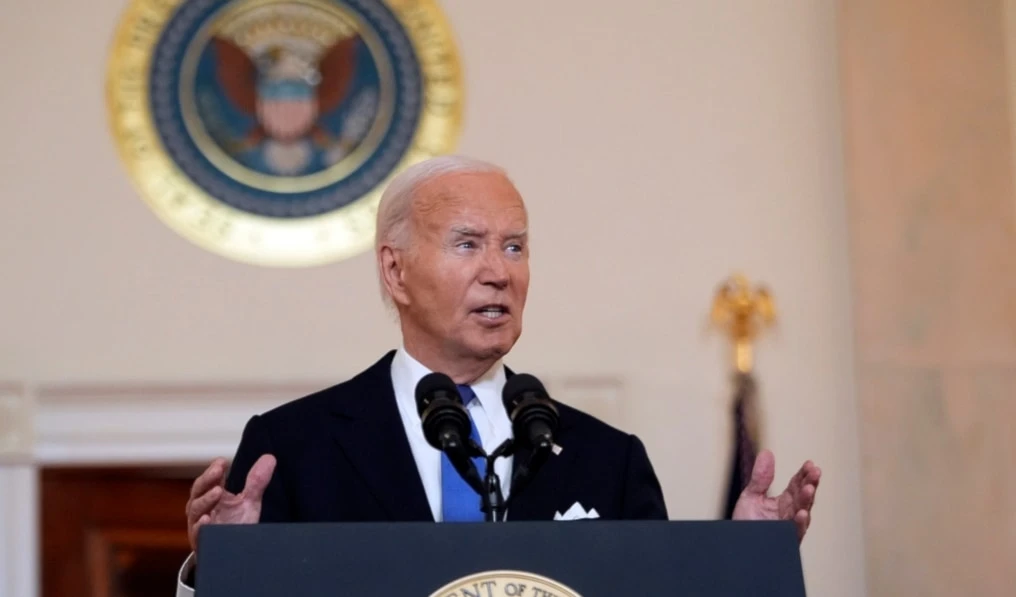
576, 512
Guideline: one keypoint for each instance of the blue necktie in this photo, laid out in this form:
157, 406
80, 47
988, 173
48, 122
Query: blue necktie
459, 502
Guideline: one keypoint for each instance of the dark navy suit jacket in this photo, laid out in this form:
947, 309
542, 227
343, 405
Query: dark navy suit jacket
342, 455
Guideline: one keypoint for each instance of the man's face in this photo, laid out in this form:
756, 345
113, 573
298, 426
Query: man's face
466, 274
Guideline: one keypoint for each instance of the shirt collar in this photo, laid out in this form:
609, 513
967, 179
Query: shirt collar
407, 372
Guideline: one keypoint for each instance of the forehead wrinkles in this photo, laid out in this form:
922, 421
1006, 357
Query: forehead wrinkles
427, 209
434, 200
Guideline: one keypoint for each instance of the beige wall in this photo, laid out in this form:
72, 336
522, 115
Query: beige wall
660, 145
933, 219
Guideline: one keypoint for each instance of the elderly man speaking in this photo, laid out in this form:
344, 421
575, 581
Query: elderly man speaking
452, 247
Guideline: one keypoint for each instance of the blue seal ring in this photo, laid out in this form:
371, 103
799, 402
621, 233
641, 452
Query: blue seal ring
266, 130
168, 105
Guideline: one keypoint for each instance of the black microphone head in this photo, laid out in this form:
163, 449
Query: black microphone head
434, 386
534, 417
518, 387
444, 418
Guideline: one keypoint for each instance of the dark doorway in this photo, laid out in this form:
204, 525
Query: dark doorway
113, 532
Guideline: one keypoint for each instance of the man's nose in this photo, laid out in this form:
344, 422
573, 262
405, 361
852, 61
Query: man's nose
495, 271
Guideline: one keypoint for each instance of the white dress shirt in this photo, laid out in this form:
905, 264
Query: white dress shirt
487, 412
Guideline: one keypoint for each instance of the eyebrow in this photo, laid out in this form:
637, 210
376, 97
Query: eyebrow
473, 232
466, 231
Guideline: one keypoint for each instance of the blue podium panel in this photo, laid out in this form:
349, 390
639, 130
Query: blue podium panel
516, 559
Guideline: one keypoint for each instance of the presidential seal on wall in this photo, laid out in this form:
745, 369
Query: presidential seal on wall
504, 583
266, 130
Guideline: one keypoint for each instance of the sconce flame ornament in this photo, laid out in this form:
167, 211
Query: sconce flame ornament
743, 312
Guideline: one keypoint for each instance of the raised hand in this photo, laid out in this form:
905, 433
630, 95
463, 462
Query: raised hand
210, 503
793, 504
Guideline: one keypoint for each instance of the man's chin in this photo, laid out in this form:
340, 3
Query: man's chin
492, 348
491, 353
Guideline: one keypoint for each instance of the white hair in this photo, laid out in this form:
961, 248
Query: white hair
395, 209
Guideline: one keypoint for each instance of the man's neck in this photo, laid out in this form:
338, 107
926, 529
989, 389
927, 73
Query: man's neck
461, 370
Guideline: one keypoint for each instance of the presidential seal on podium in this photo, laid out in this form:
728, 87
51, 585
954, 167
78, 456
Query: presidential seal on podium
504, 583
266, 130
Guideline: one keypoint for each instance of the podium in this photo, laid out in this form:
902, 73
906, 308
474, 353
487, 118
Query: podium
587, 558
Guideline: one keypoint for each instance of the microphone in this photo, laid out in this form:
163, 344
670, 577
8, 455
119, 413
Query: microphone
445, 420
446, 425
534, 417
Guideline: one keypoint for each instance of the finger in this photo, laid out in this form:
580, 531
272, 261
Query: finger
810, 480
815, 476
213, 475
803, 476
809, 474
806, 498
206, 519
762, 473
802, 520
205, 503
192, 535
258, 477
802, 473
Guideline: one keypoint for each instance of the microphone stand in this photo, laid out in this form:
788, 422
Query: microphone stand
492, 501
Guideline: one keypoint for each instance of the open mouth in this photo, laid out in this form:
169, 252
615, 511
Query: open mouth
492, 312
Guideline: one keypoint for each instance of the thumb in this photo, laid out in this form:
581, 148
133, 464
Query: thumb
258, 477
762, 474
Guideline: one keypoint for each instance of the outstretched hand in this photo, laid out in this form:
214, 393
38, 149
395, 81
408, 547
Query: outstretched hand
793, 504
210, 503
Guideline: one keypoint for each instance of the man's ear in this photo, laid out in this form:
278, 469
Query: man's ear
392, 263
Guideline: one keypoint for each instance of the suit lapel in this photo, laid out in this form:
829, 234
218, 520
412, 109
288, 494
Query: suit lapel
369, 430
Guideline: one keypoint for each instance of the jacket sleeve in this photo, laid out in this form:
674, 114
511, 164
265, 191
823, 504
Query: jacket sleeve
643, 496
